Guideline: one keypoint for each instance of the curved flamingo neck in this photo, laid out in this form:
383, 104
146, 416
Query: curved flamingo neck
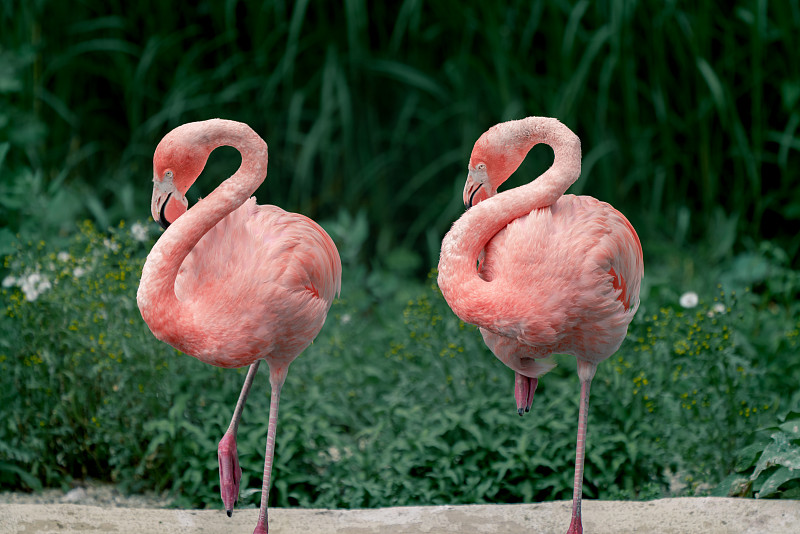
168, 318
466, 293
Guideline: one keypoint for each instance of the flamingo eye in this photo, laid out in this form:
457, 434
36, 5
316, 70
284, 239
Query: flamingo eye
481, 166
168, 174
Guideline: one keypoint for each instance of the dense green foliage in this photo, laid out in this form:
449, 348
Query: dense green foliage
396, 402
688, 113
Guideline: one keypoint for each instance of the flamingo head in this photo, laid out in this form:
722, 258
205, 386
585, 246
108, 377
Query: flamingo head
168, 203
478, 186
495, 157
179, 159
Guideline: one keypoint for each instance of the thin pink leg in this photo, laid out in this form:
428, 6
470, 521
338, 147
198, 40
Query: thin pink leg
575, 526
229, 471
276, 378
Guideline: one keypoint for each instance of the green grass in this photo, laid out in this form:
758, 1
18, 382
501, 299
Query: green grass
396, 402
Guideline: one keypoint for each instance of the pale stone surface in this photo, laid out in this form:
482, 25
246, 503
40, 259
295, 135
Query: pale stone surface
705, 515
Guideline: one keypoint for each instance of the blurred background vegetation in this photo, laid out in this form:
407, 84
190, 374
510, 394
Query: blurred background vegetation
688, 116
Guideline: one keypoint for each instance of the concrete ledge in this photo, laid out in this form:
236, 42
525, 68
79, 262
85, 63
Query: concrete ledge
705, 515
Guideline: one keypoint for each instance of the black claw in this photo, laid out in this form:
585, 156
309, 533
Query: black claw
229, 512
527, 409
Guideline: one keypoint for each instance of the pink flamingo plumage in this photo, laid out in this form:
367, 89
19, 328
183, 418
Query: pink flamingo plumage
538, 271
231, 282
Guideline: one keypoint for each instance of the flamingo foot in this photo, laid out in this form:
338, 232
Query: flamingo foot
229, 471
524, 388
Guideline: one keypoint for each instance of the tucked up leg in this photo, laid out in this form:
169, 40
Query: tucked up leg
524, 388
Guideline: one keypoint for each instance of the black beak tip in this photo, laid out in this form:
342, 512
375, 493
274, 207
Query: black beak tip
468, 203
229, 512
520, 412
162, 217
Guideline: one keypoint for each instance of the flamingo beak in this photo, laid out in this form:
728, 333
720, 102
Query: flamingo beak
167, 204
474, 192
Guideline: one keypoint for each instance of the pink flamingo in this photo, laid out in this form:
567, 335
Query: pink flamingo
231, 282
557, 274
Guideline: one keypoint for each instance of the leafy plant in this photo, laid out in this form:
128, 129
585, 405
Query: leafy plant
770, 465
698, 373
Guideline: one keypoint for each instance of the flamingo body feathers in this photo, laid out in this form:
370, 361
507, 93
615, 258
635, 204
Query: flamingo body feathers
551, 271
276, 272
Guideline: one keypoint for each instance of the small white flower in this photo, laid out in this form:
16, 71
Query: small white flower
719, 308
44, 285
9, 281
345, 318
34, 285
335, 454
689, 299
111, 245
77, 272
139, 231
63, 256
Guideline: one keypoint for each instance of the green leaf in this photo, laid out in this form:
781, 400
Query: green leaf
780, 452
408, 75
789, 416
714, 85
3, 151
734, 485
791, 428
790, 94
747, 456
7, 241
778, 478
27, 479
